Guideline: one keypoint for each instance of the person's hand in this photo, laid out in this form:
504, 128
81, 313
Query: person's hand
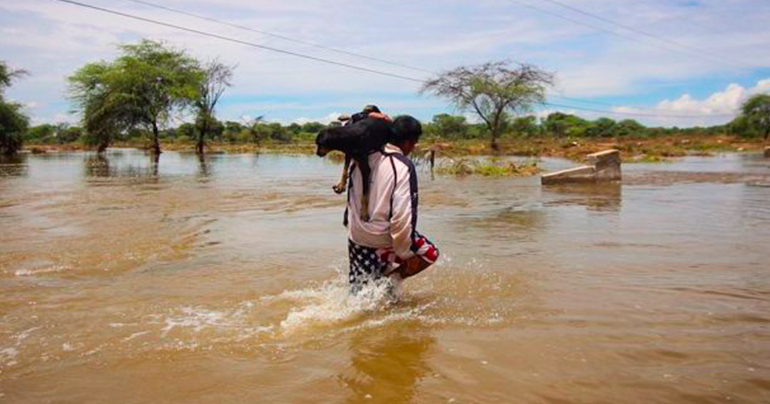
412, 267
379, 115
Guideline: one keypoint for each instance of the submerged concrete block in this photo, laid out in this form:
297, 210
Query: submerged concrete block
605, 166
577, 174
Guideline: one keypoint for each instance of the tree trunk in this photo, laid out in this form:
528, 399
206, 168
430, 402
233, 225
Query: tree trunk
155, 139
493, 129
201, 143
496, 128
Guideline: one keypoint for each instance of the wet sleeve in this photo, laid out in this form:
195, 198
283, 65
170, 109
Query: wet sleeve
402, 213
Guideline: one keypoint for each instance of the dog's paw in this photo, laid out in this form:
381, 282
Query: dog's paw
339, 188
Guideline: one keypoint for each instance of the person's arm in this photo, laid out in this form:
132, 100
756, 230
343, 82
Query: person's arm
403, 212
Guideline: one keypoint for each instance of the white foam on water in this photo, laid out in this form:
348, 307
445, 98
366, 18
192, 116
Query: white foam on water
198, 319
333, 303
119, 325
8, 356
25, 334
135, 335
40, 271
324, 310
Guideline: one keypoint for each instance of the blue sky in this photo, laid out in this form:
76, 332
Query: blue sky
697, 62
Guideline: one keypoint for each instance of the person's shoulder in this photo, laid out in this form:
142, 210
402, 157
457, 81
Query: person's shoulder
402, 161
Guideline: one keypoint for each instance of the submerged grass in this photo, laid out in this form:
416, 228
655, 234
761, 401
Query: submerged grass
492, 167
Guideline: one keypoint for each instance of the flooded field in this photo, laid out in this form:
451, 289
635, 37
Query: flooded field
223, 281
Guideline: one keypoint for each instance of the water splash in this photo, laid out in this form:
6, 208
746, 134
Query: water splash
332, 303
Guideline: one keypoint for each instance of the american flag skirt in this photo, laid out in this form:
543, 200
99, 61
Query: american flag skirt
367, 264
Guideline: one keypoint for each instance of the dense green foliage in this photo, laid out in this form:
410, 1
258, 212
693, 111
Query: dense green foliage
53, 134
442, 127
755, 117
142, 89
557, 125
13, 122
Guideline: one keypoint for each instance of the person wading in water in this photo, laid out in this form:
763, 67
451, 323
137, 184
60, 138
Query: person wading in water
388, 245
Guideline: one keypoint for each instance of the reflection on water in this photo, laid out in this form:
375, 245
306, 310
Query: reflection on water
387, 367
598, 197
204, 166
222, 279
97, 165
13, 165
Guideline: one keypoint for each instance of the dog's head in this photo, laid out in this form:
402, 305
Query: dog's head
321, 142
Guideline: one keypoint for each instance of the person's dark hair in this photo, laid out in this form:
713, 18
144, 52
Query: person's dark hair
405, 127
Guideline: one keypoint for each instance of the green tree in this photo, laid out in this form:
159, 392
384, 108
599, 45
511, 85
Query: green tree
276, 131
215, 78
232, 130
294, 128
64, 133
629, 127
451, 127
525, 126
559, 124
602, 127
756, 112
312, 127
254, 129
40, 134
107, 112
13, 122
187, 131
491, 90
740, 126
142, 88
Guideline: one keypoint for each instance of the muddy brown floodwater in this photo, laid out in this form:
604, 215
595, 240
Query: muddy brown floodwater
223, 281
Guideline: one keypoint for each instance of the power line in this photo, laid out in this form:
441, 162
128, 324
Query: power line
606, 104
616, 33
639, 114
341, 64
581, 100
279, 36
632, 29
238, 41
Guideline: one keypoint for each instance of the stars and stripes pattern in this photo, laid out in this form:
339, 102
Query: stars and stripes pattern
421, 247
365, 265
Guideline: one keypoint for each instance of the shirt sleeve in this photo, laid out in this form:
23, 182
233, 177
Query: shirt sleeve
403, 212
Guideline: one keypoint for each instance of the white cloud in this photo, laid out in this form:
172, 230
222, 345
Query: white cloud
324, 120
719, 107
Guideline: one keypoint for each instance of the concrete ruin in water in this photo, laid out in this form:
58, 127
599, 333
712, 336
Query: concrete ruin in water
603, 166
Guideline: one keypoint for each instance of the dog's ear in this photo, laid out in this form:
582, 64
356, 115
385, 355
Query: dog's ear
321, 137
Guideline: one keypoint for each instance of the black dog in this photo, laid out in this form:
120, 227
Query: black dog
357, 140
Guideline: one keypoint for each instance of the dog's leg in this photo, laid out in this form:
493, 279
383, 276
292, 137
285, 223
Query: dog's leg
366, 173
343, 184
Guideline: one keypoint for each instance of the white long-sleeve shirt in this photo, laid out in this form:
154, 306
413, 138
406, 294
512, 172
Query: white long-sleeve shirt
393, 200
